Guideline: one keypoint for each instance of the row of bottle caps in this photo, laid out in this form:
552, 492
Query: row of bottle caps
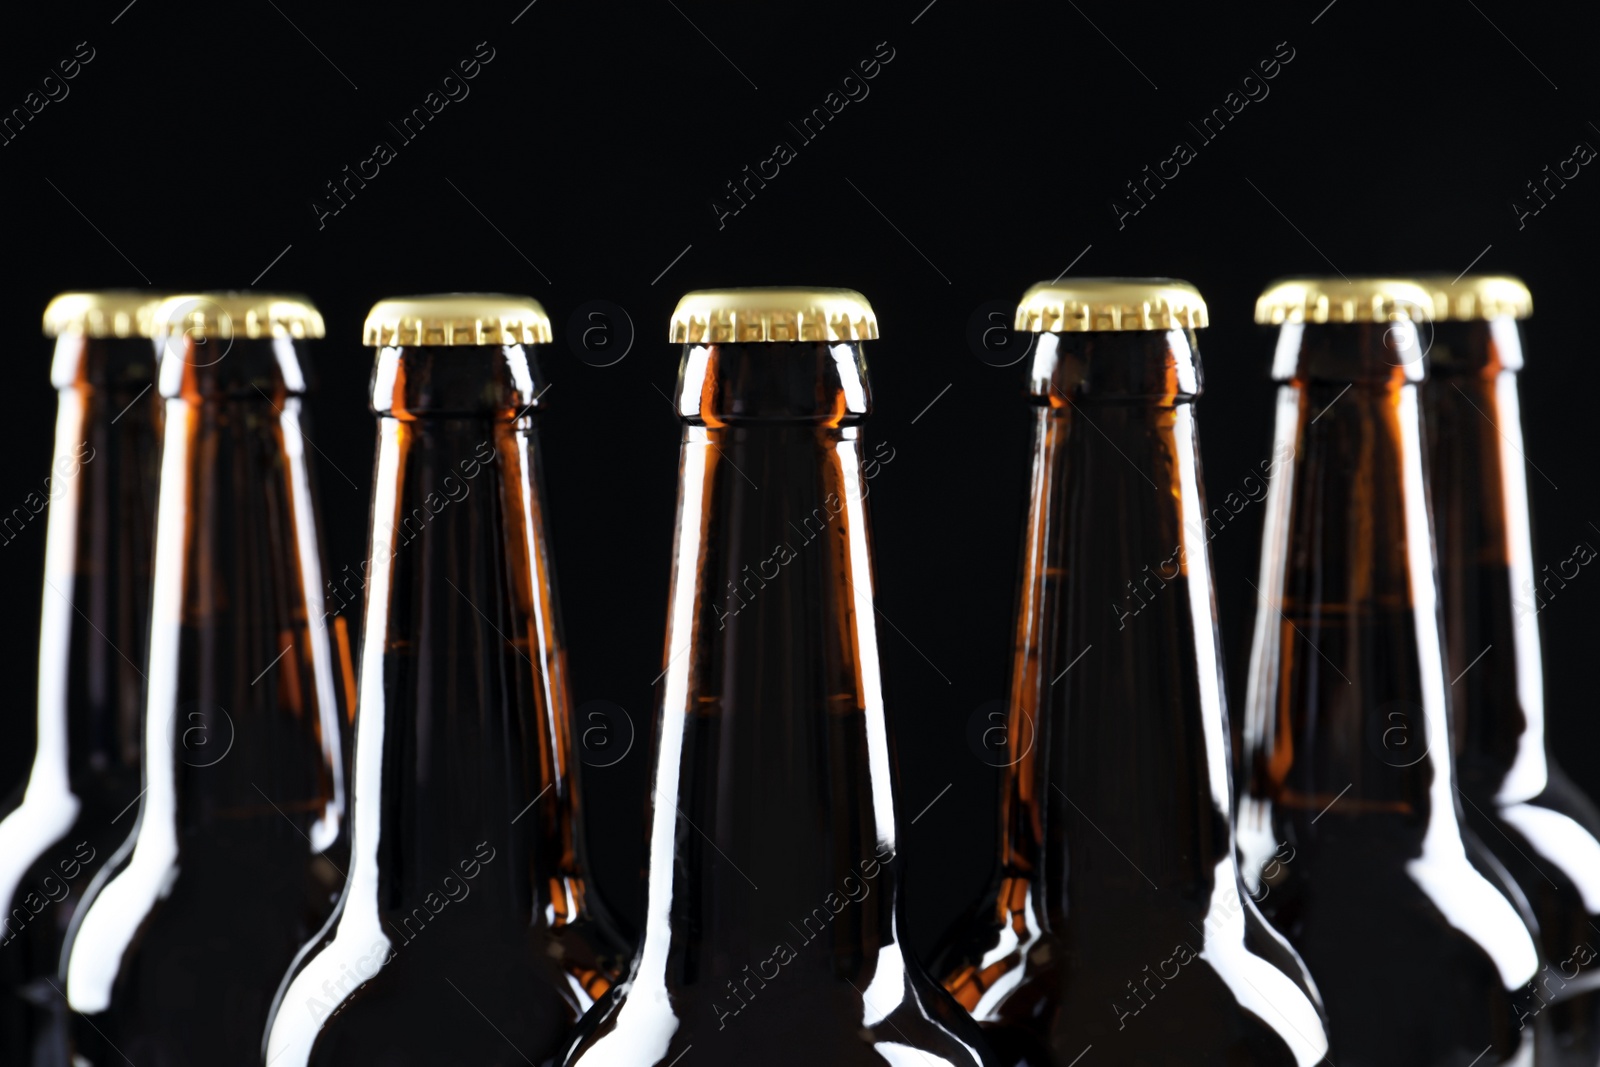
787, 314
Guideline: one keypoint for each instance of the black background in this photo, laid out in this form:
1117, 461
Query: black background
190, 149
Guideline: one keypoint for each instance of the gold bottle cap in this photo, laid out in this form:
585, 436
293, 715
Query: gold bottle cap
108, 313
1092, 305
457, 319
1325, 300
238, 314
1477, 297
724, 316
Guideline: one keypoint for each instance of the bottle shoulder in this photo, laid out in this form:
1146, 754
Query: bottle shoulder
51, 818
1409, 928
1191, 969
370, 989
1549, 846
790, 1007
1563, 796
30, 832
209, 899
57, 873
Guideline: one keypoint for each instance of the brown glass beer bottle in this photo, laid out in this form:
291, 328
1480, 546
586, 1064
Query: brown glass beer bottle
773, 929
1520, 804
1116, 920
467, 933
1348, 823
74, 809
237, 854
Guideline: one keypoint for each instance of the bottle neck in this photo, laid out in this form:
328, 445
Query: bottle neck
246, 684
1492, 593
1347, 702
95, 613
1117, 706
462, 752
773, 821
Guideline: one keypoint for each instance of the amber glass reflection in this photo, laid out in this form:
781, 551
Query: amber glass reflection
467, 934
1116, 921
773, 900
76, 806
240, 843
1522, 806
1418, 953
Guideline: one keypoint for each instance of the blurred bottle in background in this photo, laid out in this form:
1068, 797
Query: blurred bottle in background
1117, 920
239, 848
469, 932
1409, 927
76, 806
1520, 804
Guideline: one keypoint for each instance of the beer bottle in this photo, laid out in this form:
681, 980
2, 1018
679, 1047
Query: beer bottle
239, 844
1348, 823
73, 811
1519, 803
467, 933
773, 920
1116, 918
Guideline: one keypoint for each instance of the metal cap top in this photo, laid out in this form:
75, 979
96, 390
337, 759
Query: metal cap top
1325, 300
1477, 297
722, 316
238, 314
106, 313
1093, 305
457, 319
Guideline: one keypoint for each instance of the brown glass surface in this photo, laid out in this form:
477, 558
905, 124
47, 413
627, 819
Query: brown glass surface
239, 845
1116, 928
1520, 803
773, 922
1411, 932
69, 817
467, 933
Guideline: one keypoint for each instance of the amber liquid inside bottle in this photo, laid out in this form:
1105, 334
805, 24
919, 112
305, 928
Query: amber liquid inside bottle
1117, 928
240, 846
1520, 804
773, 929
76, 806
1414, 943
467, 933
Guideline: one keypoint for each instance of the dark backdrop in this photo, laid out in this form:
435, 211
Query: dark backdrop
584, 162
